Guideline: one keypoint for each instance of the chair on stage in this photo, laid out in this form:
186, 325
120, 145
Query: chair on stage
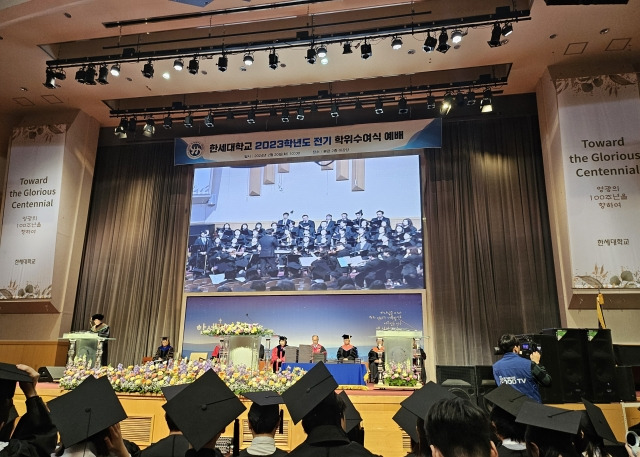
146, 359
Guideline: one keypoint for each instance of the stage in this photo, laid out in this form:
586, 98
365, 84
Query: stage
146, 424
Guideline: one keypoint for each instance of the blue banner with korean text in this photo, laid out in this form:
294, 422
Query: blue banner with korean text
313, 144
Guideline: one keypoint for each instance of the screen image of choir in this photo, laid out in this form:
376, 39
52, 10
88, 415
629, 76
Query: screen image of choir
439, 423
372, 253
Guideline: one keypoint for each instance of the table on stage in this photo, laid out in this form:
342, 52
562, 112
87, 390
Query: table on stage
344, 373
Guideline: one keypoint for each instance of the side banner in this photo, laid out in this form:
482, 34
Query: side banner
313, 143
30, 220
600, 130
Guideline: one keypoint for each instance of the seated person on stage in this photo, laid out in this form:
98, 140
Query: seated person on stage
376, 360
316, 347
278, 354
347, 351
165, 350
264, 418
35, 434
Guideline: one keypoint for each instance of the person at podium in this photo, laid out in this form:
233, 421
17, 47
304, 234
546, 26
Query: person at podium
102, 329
376, 360
278, 354
164, 351
347, 351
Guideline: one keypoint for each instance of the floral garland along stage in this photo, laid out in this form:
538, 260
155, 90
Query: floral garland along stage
401, 375
151, 377
234, 328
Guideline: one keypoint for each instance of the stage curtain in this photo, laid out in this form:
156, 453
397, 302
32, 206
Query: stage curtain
135, 250
491, 264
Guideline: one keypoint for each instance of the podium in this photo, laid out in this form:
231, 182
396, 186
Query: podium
85, 344
241, 350
398, 345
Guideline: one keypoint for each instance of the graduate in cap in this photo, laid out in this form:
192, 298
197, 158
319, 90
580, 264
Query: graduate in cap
202, 412
278, 354
347, 351
313, 400
507, 402
352, 423
88, 419
164, 351
35, 434
102, 329
265, 418
176, 444
594, 431
550, 431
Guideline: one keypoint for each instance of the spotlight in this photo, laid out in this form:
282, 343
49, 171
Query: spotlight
321, 52
178, 64
334, 110
273, 60
324, 60
311, 55
456, 36
300, 114
103, 75
443, 46
431, 102
379, 106
461, 100
147, 70
248, 60
230, 115
447, 103
188, 121
402, 106
285, 115
208, 120
115, 69
396, 43
59, 74
167, 123
49, 80
314, 107
486, 105
251, 117
133, 123
273, 112
346, 48
90, 75
496, 32
471, 98
194, 66
358, 104
149, 128
365, 51
80, 75
430, 43
223, 61
507, 29
121, 129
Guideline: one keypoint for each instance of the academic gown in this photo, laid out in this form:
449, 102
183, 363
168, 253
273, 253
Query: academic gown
329, 440
175, 445
277, 352
164, 353
373, 366
34, 435
347, 352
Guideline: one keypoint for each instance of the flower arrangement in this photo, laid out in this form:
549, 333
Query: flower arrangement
234, 328
401, 375
151, 377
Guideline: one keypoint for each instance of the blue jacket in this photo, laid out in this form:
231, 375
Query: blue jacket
516, 371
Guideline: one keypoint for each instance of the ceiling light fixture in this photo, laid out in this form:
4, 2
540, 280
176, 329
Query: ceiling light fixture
178, 64
461, 99
507, 29
335, 112
314, 107
103, 74
396, 43
223, 62
194, 66
167, 123
402, 106
447, 103
285, 115
321, 51
133, 123
379, 109
230, 115
346, 48
431, 102
115, 69
456, 36
311, 55
121, 130
443, 46
273, 60
486, 104
188, 121
471, 98
90, 75
300, 113
366, 51
248, 60
49, 80
358, 104
147, 70
80, 75
430, 43
208, 120
149, 128
496, 33
251, 116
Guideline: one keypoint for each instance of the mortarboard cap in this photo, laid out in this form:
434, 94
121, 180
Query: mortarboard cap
97, 316
407, 422
204, 408
171, 391
359, 212
547, 417
309, 391
345, 336
88, 409
600, 424
507, 398
351, 415
9, 375
423, 399
264, 398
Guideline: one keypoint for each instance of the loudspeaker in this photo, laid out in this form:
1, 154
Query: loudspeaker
625, 384
50, 374
459, 380
564, 357
601, 367
485, 383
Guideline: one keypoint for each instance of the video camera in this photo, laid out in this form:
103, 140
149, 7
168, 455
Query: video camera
527, 346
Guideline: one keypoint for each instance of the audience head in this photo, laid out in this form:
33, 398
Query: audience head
165, 341
318, 286
224, 289
377, 285
550, 431
258, 285
264, 415
286, 284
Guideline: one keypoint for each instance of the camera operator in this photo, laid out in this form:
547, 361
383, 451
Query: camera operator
521, 373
